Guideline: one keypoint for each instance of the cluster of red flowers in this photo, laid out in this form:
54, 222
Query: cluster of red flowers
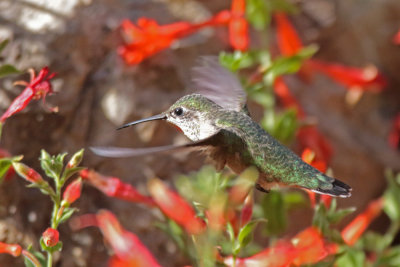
307, 247
148, 37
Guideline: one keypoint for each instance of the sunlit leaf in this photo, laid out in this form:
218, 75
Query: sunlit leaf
8, 69
5, 164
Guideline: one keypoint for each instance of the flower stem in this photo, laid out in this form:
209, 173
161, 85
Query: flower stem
49, 259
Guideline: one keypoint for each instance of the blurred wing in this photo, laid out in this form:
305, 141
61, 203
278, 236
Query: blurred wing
124, 152
218, 84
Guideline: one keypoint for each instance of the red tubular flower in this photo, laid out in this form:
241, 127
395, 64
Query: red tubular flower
127, 247
50, 237
83, 221
175, 207
289, 42
114, 187
247, 210
307, 247
280, 255
73, 191
310, 137
352, 232
5, 154
284, 95
394, 135
12, 249
309, 157
38, 87
368, 78
238, 26
396, 38
149, 38
27, 173
311, 247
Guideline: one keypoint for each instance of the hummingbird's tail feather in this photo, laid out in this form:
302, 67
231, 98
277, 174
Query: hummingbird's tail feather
339, 189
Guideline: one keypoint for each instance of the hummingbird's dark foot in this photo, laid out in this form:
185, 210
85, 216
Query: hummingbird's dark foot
262, 189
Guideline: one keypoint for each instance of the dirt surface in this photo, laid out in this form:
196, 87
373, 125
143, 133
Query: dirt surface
96, 92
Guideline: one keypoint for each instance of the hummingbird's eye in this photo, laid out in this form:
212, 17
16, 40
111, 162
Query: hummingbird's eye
178, 111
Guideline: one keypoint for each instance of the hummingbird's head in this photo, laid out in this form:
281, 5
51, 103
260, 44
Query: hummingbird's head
192, 114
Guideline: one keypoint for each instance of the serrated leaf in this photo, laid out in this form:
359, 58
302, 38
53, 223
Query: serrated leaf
8, 69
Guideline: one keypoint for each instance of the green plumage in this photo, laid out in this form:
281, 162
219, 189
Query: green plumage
241, 143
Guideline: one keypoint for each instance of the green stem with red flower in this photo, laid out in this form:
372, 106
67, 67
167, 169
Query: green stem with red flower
54, 168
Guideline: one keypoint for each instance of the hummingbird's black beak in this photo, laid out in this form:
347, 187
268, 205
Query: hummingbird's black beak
152, 118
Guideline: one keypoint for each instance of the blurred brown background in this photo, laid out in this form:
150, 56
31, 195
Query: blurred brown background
96, 92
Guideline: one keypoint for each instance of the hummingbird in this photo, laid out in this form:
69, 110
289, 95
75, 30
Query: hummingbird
215, 118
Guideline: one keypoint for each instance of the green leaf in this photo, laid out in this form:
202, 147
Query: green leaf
8, 69
372, 241
231, 232
236, 60
275, 212
392, 198
294, 199
257, 13
287, 65
351, 258
52, 165
67, 214
337, 216
57, 247
244, 236
3, 44
391, 258
39, 256
5, 164
70, 172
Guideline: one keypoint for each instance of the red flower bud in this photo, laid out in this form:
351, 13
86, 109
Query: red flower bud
73, 191
12, 249
50, 237
27, 173
75, 160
